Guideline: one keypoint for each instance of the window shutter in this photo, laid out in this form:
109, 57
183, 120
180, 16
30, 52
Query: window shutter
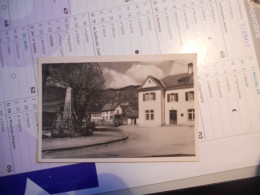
144, 97
154, 96
168, 97
176, 97
186, 96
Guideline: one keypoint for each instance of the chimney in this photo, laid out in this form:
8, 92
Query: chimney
190, 68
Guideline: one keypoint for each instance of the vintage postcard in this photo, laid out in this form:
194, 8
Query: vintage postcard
118, 109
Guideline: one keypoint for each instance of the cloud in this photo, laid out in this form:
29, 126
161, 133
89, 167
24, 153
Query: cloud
116, 79
178, 68
135, 75
139, 72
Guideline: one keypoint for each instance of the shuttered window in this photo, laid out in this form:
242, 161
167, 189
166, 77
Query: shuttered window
172, 97
189, 96
149, 96
191, 114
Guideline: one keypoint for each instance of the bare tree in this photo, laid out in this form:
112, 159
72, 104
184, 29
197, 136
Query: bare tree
87, 82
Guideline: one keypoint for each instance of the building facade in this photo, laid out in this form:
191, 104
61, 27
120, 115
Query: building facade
96, 116
169, 101
109, 114
110, 111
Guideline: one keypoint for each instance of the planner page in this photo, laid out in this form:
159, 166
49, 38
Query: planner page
224, 33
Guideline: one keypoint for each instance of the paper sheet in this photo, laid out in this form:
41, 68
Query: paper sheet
225, 34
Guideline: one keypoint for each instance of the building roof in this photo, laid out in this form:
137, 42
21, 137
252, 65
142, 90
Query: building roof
55, 108
109, 106
53, 103
50, 109
96, 112
159, 82
173, 81
178, 80
130, 112
133, 113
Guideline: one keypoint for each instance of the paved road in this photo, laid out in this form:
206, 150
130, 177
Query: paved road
101, 135
142, 142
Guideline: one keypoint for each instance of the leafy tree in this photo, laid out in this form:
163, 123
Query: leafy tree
87, 82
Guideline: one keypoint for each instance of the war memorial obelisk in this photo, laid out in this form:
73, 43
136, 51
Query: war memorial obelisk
68, 109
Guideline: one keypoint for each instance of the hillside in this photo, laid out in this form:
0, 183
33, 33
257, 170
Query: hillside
123, 96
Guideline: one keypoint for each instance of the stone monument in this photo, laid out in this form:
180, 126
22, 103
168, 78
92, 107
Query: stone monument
68, 109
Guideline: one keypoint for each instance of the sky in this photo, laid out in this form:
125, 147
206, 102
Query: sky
121, 74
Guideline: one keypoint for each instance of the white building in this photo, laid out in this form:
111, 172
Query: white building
168, 101
110, 111
95, 117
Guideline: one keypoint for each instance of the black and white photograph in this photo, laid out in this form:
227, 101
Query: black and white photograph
118, 109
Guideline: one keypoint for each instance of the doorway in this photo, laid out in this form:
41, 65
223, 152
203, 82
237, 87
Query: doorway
173, 117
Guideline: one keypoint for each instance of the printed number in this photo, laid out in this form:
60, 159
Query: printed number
200, 135
65, 10
9, 110
9, 168
32, 89
6, 23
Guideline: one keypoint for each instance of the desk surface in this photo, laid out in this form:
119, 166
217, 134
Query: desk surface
224, 33
217, 178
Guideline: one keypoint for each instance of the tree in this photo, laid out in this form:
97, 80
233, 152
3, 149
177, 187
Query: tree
45, 75
87, 82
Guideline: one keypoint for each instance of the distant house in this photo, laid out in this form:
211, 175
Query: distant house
95, 117
168, 101
111, 112
130, 115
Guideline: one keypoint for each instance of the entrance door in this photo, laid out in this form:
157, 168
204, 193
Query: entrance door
173, 117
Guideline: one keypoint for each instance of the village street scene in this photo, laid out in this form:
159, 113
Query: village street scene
127, 141
118, 110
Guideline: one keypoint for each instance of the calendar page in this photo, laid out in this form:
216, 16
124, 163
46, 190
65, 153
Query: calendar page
224, 33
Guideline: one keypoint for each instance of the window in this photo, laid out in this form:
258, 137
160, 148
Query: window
183, 80
189, 96
172, 97
152, 115
149, 96
191, 114
149, 115
117, 111
106, 117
